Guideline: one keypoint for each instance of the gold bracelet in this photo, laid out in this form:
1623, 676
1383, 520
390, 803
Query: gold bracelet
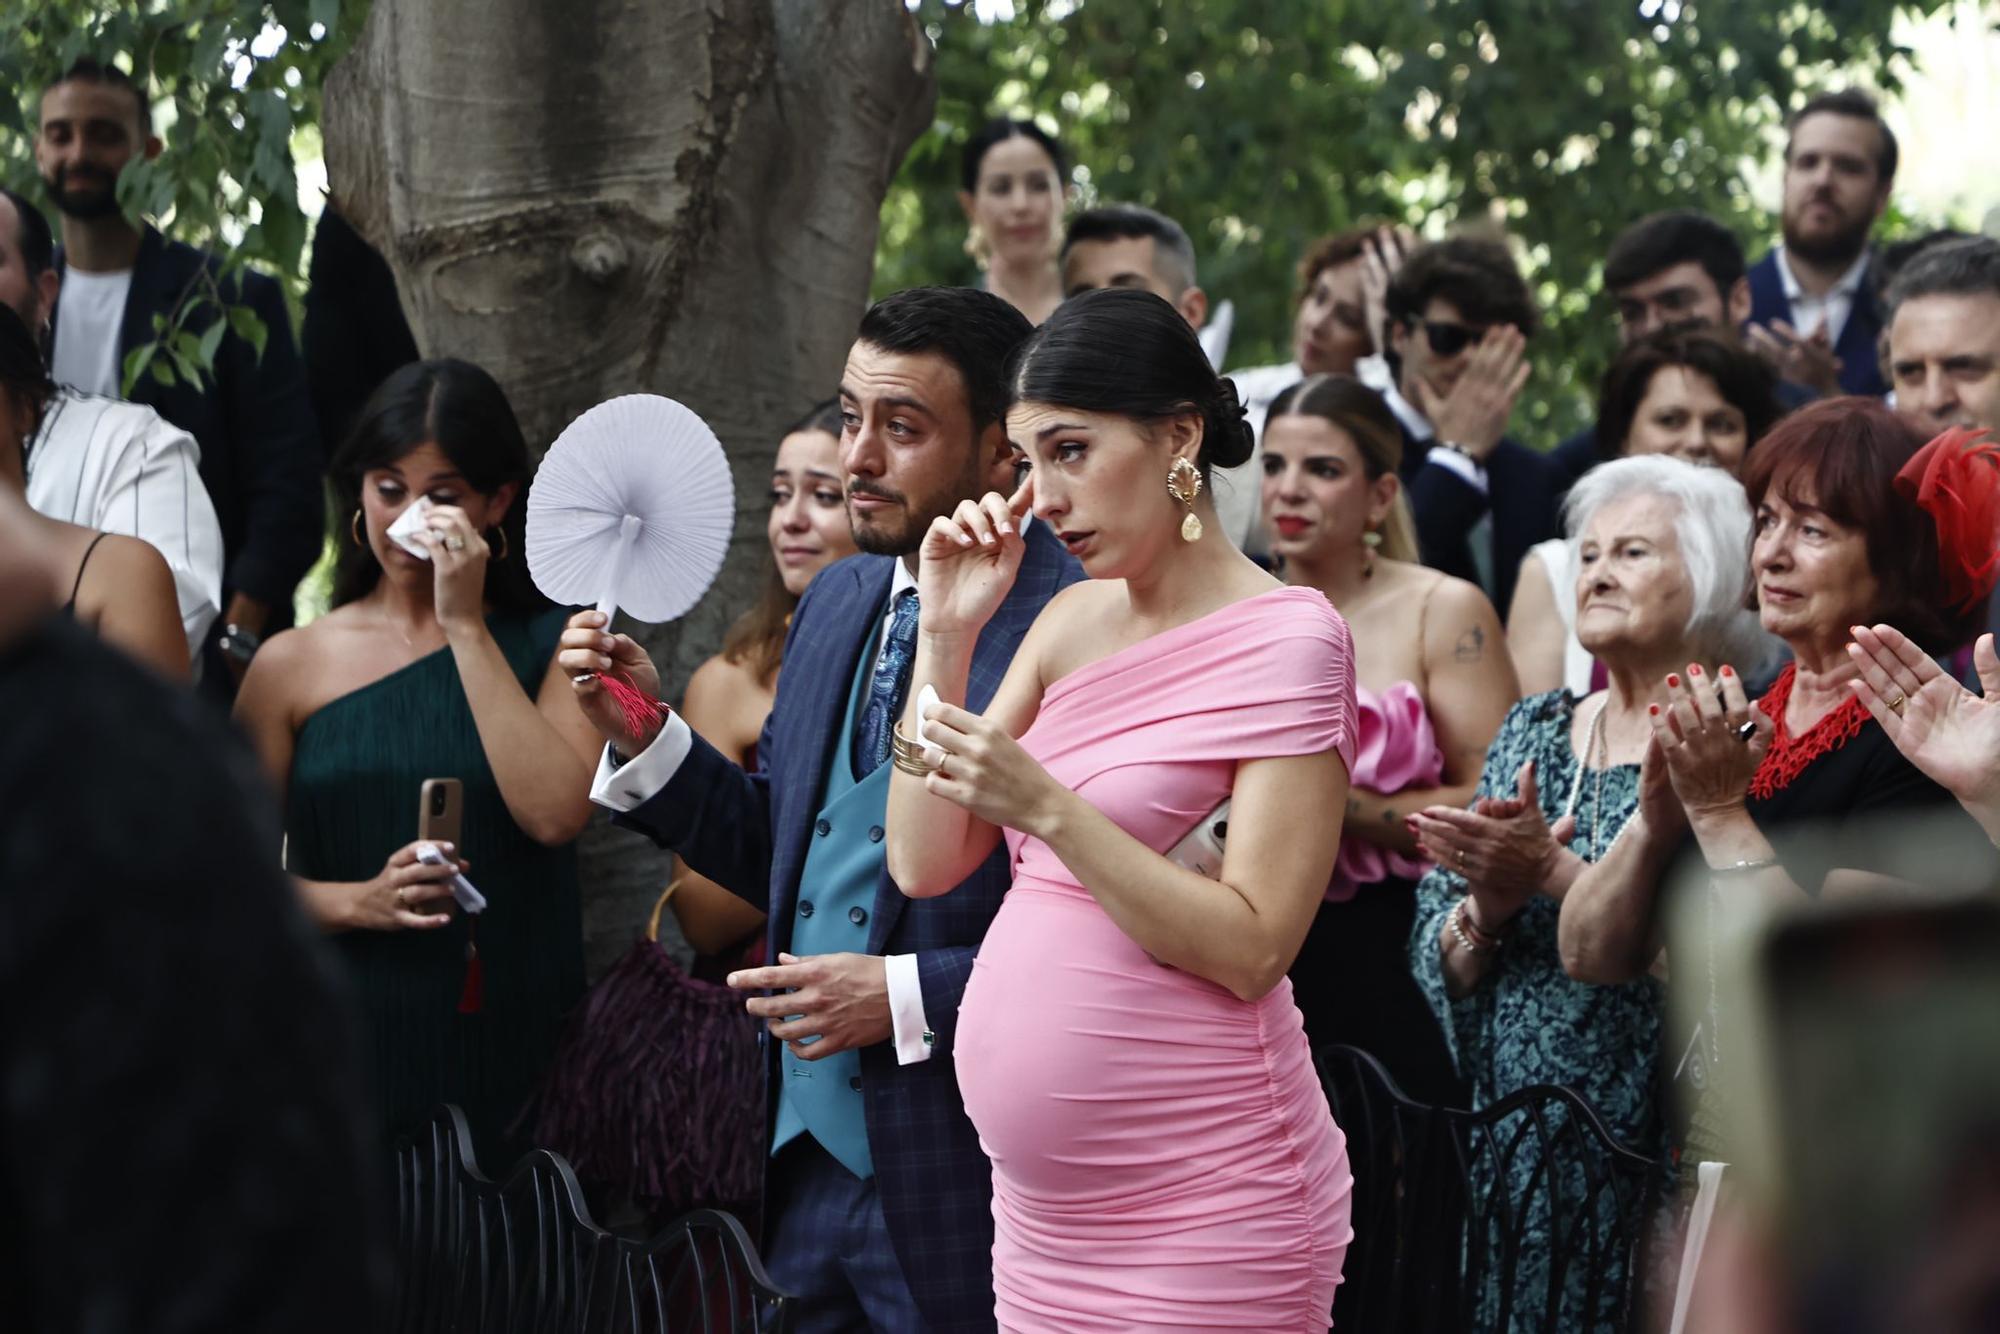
905, 754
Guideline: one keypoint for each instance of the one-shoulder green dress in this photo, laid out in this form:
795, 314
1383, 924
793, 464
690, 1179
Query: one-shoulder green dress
358, 767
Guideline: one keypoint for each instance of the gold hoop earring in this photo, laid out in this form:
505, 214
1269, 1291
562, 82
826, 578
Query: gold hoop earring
1184, 484
501, 534
1370, 540
354, 529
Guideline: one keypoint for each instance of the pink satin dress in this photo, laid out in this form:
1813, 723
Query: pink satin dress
1163, 1156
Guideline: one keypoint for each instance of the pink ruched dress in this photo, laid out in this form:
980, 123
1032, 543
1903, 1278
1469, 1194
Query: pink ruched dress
1163, 1156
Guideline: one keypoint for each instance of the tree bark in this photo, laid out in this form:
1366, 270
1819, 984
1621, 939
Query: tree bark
597, 197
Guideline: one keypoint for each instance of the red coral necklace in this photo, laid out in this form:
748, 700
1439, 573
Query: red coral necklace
1789, 755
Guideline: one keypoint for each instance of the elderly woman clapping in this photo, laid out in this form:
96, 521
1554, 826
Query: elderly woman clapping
1847, 535
1660, 549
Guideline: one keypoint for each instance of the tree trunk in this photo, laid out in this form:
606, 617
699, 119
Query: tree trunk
597, 197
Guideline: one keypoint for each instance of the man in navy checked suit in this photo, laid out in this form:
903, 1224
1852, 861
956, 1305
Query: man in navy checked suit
879, 1198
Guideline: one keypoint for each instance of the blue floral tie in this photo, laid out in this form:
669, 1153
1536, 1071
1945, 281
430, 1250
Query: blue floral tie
887, 688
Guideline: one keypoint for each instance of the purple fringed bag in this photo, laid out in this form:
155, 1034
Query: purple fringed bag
656, 1088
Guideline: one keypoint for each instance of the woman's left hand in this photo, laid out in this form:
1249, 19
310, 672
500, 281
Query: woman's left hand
458, 567
1710, 758
987, 771
1503, 848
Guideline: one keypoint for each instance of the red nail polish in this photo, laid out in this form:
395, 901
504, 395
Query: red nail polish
1695, 670
1727, 670
1654, 709
1673, 683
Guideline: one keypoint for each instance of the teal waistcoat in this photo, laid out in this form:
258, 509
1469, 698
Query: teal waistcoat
836, 897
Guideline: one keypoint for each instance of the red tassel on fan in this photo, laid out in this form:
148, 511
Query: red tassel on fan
472, 998
643, 713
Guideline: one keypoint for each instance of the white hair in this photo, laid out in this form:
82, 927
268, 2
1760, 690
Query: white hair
1712, 522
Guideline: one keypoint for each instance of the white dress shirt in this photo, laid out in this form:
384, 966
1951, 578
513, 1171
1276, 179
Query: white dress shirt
121, 468
627, 786
1830, 311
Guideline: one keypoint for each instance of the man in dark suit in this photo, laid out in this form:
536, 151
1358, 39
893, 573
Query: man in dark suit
251, 416
879, 1199
1674, 270
1459, 321
1813, 309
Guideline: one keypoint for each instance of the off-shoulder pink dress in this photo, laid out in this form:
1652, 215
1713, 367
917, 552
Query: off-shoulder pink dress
1163, 1156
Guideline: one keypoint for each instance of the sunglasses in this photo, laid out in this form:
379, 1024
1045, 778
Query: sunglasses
1448, 339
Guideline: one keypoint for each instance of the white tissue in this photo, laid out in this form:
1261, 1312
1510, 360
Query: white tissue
403, 532
927, 699
470, 899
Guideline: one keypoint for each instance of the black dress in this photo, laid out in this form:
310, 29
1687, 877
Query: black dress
1842, 796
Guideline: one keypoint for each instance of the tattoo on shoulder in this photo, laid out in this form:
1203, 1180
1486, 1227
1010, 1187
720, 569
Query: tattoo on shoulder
1471, 645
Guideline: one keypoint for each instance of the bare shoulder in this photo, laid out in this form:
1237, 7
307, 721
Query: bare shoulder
719, 680
125, 562
1460, 625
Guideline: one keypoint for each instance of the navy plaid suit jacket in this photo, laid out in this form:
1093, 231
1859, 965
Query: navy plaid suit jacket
749, 833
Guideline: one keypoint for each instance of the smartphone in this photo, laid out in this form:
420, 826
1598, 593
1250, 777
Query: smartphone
1201, 850
440, 811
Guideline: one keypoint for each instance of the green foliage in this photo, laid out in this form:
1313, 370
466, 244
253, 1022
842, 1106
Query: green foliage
1262, 124
231, 83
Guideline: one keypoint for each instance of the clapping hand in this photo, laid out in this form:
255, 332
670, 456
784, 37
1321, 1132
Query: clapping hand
1474, 414
1710, 755
1804, 361
1949, 733
1381, 255
968, 561
1503, 847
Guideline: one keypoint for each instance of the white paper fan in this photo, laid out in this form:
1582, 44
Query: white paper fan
632, 507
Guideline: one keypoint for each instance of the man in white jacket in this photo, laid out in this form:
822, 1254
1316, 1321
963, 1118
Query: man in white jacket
106, 464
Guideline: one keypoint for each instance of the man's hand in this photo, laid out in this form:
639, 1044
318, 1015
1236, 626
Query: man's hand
1804, 361
586, 651
1474, 414
840, 999
247, 613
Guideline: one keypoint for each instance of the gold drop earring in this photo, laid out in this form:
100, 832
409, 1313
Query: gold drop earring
1184, 484
1369, 541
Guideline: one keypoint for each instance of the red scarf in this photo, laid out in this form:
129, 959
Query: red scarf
1789, 755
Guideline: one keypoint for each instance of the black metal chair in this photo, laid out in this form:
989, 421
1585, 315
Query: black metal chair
1448, 1205
523, 1256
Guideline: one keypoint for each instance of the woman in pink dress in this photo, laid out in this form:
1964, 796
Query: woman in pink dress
1128, 1048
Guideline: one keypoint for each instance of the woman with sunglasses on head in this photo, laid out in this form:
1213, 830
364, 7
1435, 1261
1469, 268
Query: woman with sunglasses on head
1431, 688
1128, 1047
439, 665
1693, 394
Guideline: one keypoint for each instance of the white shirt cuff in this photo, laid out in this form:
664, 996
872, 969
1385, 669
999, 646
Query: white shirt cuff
1453, 461
628, 786
906, 1009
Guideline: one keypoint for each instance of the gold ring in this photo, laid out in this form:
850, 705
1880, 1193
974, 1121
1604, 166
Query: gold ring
1896, 705
1461, 859
454, 543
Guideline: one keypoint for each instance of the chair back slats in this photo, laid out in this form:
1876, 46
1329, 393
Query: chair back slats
523, 1255
1525, 1215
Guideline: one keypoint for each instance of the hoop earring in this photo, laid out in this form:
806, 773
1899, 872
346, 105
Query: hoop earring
354, 529
1184, 484
1370, 540
501, 533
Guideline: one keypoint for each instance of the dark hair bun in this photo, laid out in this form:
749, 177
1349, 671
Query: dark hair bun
1229, 439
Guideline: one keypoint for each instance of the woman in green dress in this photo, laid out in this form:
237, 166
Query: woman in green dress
435, 666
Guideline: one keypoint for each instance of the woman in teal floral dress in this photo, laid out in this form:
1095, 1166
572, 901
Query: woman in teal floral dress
1661, 548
